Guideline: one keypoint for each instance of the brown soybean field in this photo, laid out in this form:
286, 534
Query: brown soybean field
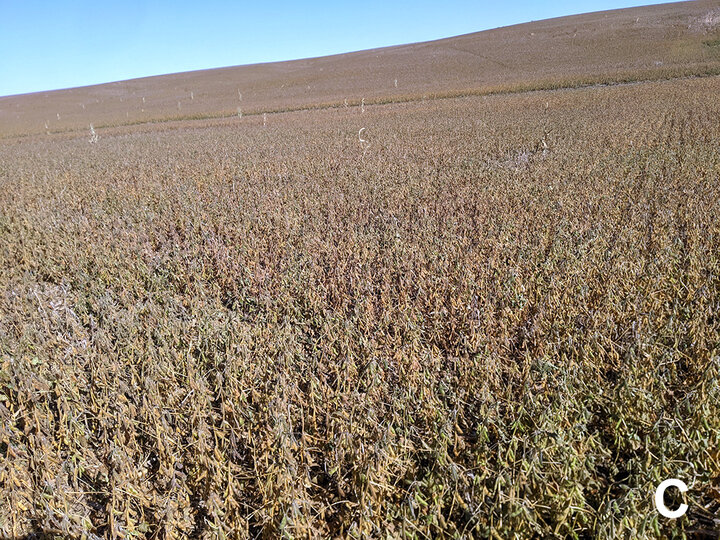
469, 316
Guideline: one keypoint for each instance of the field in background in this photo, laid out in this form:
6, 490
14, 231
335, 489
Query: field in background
651, 42
496, 316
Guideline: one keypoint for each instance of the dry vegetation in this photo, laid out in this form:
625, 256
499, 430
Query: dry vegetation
451, 330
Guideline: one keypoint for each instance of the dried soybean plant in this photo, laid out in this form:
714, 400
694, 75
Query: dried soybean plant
248, 334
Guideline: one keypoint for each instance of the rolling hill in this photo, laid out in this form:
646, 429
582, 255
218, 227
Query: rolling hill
652, 42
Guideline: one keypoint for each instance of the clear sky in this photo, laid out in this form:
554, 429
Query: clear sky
60, 44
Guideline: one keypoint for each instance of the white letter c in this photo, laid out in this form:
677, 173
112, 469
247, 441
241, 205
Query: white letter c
660, 502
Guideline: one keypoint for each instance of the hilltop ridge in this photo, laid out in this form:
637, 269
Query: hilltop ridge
651, 42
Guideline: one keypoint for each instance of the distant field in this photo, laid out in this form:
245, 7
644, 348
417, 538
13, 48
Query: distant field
496, 317
653, 42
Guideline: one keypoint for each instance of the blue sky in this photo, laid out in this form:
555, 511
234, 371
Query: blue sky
60, 44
